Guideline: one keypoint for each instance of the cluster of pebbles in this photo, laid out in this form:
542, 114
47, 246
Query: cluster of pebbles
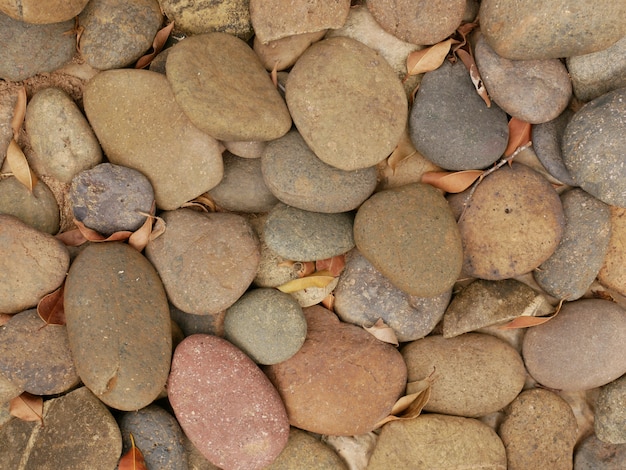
190, 346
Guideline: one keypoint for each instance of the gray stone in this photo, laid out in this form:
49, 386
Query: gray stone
42, 12
190, 323
305, 451
547, 138
593, 454
38, 209
610, 413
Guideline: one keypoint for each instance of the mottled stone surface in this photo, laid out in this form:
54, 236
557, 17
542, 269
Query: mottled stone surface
547, 138
610, 414
42, 12
38, 209
613, 271
283, 53
305, 451
593, 454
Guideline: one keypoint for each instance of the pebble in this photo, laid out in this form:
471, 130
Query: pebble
351, 80
594, 147
157, 435
110, 198
525, 30
613, 272
295, 175
8, 99
204, 253
342, 381
42, 12
8, 391
38, 209
452, 126
245, 149
225, 405
267, 324
438, 441
363, 295
546, 85
475, 374
574, 265
283, 53
547, 138
513, 223
144, 129
593, 454
190, 324
410, 235
34, 264
221, 104
610, 413
118, 325
117, 33
305, 451
552, 350
62, 141
548, 445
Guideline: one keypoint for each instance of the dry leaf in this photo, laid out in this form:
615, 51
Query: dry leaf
274, 74
50, 307
382, 332
463, 31
333, 265
411, 405
71, 237
470, 65
27, 407
527, 322
19, 112
157, 45
93, 236
329, 302
403, 150
451, 182
203, 202
133, 459
318, 279
519, 135
140, 238
304, 268
19, 166
428, 59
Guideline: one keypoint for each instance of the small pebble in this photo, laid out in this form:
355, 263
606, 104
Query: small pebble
610, 413
38, 209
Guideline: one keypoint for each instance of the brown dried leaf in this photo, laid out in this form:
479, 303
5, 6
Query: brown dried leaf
27, 407
274, 74
411, 405
318, 279
519, 135
50, 307
157, 45
382, 332
451, 182
71, 237
19, 112
470, 65
403, 150
428, 59
133, 459
304, 268
527, 322
329, 302
333, 265
19, 166
463, 31
93, 236
203, 202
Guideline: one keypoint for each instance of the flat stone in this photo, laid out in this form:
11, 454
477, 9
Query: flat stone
352, 80
552, 350
452, 126
410, 235
613, 271
547, 138
118, 325
38, 209
593, 454
221, 104
594, 147
42, 12
305, 451
192, 17
549, 445
8, 391
610, 413
283, 53
141, 128
546, 85
225, 405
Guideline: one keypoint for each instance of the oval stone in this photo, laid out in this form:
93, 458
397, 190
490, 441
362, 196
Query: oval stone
42, 12
38, 208
593, 454
552, 351
191, 17
547, 138
305, 451
225, 405
118, 325
409, 234
610, 413
613, 272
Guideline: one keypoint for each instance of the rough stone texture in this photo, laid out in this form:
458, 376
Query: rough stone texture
452, 126
8, 99
525, 29
512, 224
594, 147
610, 413
45, 46
305, 451
117, 32
593, 454
570, 270
195, 459
490, 368
363, 295
418, 22
139, 125
235, 98
267, 324
118, 325
297, 177
438, 441
547, 138
245, 149
8, 391
225, 405
539, 431
276, 19
351, 80
534, 91
342, 381
38, 209
191, 324
284, 52
409, 234
204, 253
613, 272
42, 12
552, 350
34, 264
62, 140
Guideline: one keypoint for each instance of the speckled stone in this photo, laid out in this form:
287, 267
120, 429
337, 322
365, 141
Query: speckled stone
593, 454
283, 53
190, 323
613, 272
42, 12
38, 209
610, 413
305, 451
547, 138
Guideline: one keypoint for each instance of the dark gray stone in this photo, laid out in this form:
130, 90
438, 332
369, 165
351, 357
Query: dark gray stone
38, 209
190, 323
593, 454
547, 138
610, 413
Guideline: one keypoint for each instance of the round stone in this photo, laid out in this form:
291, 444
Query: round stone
192, 17
42, 12
610, 414
38, 208
305, 451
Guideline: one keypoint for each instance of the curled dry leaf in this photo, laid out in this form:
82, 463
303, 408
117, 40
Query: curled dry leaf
519, 135
157, 46
452, 181
19, 112
50, 307
133, 459
333, 265
27, 407
329, 302
317, 279
19, 166
71, 237
526, 321
304, 268
403, 150
428, 59
203, 202
470, 65
274, 74
382, 332
140, 238
93, 236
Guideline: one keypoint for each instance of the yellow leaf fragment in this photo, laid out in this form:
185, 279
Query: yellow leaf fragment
19, 166
428, 59
382, 332
451, 181
318, 279
27, 407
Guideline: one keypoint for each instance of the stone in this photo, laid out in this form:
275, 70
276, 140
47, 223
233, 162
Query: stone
302, 235
475, 374
267, 324
438, 441
363, 295
552, 350
8, 99
353, 114
200, 253
593, 454
610, 413
34, 264
190, 324
452, 126
594, 147
8, 391
118, 325
221, 104
62, 141
574, 265
342, 381
225, 405
534, 91
195, 459
117, 33
38, 209
420, 22
512, 224
283, 53
523, 30
245, 149
295, 175
46, 12
613, 271
410, 235
539, 431
305, 451
547, 138
143, 128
